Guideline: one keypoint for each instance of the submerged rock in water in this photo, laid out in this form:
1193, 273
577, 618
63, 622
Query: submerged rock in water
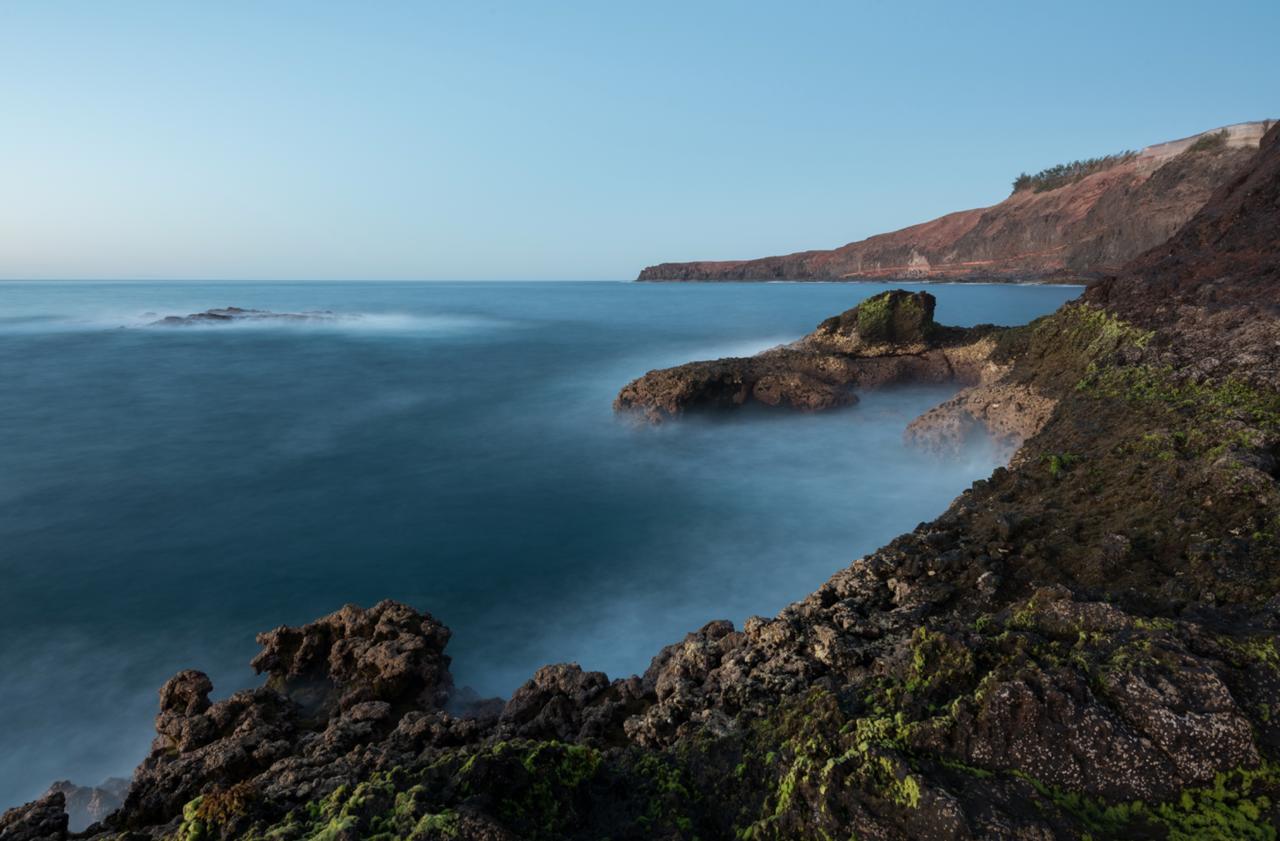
228, 315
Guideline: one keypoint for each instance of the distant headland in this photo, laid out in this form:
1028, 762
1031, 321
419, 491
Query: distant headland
1065, 224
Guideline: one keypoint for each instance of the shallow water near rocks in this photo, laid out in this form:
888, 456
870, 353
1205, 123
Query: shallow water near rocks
165, 493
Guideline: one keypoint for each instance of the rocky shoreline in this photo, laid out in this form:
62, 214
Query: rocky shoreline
1084, 645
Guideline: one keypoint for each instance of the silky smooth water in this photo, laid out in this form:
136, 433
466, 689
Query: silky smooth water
167, 493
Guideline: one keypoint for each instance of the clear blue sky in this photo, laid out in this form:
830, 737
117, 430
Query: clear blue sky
566, 140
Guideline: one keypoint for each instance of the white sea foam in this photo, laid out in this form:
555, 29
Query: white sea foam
441, 324
747, 347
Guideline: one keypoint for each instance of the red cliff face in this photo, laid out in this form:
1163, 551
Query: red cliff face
1083, 230
1226, 257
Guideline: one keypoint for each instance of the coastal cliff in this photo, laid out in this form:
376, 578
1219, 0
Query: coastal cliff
1084, 645
1069, 223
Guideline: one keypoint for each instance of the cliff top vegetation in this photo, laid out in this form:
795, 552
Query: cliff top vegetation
1061, 175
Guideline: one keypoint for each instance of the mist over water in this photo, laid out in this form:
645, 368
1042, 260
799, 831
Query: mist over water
167, 493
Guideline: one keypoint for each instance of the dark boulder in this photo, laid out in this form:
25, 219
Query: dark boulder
562, 702
389, 652
41, 820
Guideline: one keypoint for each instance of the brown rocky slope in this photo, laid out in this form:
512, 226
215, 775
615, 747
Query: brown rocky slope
1083, 229
1083, 645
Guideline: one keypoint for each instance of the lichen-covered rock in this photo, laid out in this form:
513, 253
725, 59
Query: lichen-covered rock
896, 319
230, 741
334, 687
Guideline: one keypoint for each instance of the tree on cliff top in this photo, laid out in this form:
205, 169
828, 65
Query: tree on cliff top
1063, 174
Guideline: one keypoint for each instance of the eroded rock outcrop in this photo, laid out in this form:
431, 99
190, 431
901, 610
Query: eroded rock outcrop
388, 655
888, 339
355, 676
562, 702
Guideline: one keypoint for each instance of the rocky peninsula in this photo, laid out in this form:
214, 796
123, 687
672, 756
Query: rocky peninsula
1068, 223
888, 339
1083, 646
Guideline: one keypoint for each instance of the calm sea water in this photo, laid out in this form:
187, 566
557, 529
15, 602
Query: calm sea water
167, 493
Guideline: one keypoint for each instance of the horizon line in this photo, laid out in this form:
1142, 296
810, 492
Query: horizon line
311, 280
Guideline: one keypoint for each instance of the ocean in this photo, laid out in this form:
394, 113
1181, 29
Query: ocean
166, 493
